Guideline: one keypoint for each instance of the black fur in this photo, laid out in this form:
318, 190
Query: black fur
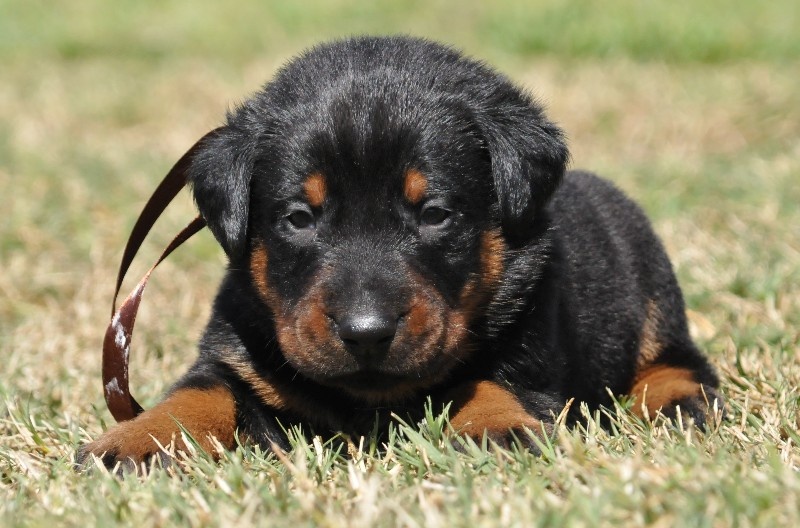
555, 279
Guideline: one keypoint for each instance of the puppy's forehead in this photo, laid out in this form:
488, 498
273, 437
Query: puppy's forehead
384, 173
346, 159
383, 144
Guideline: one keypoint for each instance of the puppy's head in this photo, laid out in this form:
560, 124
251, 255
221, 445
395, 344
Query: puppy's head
373, 190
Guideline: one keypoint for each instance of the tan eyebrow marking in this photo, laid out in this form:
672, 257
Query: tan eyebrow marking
414, 186
315, 189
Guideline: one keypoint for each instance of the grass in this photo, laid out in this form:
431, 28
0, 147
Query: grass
693, 110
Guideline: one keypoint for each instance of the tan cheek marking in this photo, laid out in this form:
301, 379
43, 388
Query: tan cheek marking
258, 271
426, 329
661, 385
204, 413
316, 324
493, 249
456, 342
284, 323
315, 189
484, 406
307, 329
649, 345
439, 328
415, 186
478, 290
314, 328
420, 317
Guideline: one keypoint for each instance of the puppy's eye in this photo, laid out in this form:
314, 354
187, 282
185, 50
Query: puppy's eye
301, 220
433, 216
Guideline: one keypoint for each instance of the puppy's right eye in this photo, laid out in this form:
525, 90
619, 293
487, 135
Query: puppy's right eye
301, 220
433, 216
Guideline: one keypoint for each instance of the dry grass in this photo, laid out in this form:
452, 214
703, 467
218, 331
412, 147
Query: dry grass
712, 151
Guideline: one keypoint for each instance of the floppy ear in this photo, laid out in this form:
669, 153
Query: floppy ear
220, 177
528, 156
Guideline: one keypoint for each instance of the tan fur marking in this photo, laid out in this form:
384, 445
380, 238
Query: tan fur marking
266, 391
281, 397
305, 330
661, 385
315, 189
259, 261
415, 186
317, 322
650, 346
204, 413
258, 270
419, 316
485, 407
477, 290
493, 249
470, 297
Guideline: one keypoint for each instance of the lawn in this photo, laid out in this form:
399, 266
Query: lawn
692, 108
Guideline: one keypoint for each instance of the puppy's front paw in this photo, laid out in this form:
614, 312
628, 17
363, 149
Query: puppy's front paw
208, 415
484, 408
700, 408
668, 389
125, 448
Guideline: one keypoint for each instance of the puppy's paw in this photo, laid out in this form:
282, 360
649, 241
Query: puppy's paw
704, 409
208, 415
485, 409
672, 390
524, 436
127, 448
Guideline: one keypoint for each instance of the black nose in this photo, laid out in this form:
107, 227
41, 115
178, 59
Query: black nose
367, 337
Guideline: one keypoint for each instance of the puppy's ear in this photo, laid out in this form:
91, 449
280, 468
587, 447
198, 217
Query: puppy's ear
220, 177
528, 156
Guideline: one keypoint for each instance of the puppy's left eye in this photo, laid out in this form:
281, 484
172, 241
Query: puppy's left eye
301, 220
433, 216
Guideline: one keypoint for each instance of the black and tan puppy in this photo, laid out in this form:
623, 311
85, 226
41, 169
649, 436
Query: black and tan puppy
400, 226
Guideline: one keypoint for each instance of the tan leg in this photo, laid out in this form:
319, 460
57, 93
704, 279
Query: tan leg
206, 414
486, 408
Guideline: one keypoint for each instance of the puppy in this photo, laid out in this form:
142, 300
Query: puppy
400, 226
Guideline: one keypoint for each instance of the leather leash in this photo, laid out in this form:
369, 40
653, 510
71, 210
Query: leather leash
117, 341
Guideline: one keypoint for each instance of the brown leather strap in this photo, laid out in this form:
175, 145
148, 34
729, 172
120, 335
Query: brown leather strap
117, 341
